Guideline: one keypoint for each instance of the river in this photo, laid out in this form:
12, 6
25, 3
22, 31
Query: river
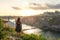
51, 35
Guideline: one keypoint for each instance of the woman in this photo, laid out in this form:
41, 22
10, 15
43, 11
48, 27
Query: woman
18, 26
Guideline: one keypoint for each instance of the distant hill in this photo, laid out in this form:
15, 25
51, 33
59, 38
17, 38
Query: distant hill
47, 19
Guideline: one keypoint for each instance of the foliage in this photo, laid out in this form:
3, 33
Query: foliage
1, 23
42, 37
3, 32
33, 37
51, 21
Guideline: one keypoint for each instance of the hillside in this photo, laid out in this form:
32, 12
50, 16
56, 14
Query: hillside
48, 20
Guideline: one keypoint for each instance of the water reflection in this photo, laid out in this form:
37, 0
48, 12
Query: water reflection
30, 30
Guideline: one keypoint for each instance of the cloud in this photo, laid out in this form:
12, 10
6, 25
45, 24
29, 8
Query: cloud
56, 6
16, 8
36, 6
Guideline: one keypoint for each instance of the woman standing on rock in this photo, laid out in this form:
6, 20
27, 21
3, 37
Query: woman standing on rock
18, 26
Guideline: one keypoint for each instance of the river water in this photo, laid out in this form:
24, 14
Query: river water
50, 35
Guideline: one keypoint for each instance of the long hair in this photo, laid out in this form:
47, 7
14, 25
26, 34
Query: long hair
18, 20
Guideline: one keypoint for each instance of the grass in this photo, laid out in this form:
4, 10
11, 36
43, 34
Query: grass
11, 32
33, 37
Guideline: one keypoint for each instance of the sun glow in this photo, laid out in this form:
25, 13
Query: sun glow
28, 12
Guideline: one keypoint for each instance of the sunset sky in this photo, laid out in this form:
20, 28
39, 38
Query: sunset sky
27, 7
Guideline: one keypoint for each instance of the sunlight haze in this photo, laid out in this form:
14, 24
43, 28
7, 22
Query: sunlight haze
33, 7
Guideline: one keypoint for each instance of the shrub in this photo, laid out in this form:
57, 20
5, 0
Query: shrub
33, 37
1, 23
3, 32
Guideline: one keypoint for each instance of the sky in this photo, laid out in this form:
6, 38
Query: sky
19, 7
